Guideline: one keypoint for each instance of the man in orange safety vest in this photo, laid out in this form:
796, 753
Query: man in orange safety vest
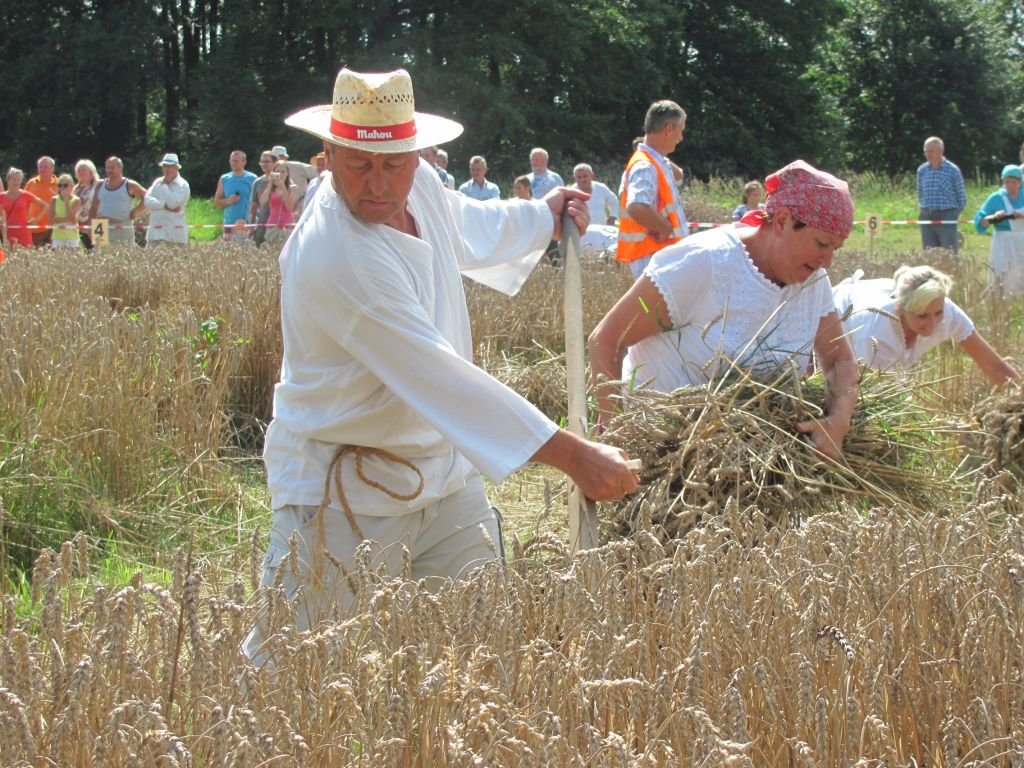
652, 215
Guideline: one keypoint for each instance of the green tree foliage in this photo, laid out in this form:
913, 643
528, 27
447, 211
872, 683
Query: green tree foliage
843, 83
76, 77
902, 70
738, 68
530, 74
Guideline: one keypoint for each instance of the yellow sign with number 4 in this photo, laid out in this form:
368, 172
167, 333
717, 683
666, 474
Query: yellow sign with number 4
99, 231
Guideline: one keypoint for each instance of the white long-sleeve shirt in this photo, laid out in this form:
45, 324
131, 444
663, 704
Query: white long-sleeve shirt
163, 224
377, 348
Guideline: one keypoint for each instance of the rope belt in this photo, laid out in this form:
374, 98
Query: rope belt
334, 474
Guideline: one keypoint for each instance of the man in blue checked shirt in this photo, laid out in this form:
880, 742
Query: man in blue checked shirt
941, 196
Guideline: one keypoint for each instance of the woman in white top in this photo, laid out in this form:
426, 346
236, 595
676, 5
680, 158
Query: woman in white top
750, 296
88, 181
1004, 210
892, 324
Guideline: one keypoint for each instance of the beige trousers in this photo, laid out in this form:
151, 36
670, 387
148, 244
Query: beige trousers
445, 540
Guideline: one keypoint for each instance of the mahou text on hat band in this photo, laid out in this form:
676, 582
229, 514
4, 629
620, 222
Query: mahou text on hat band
373, 132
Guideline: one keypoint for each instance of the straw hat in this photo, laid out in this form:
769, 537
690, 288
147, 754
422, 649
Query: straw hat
170, 159
374, 112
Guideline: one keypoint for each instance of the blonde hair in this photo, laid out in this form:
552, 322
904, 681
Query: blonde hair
917, 287
66, 177
90, 165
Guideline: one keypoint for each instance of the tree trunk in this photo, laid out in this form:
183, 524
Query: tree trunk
169, 22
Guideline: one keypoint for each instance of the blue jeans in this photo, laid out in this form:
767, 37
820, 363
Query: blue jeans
939, 235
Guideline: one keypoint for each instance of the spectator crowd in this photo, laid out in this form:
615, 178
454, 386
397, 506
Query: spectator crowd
57, 210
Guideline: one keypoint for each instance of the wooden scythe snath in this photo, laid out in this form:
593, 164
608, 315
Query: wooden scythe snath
582, 511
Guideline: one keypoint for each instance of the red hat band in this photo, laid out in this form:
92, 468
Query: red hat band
373, 132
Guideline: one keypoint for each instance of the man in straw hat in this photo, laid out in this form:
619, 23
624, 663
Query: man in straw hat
382, 424
166, 198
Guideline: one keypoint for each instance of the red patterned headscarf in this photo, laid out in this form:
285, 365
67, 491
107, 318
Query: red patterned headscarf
816, 198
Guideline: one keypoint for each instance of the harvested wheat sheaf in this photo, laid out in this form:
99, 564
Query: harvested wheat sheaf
701, 447
876, 638
999, 429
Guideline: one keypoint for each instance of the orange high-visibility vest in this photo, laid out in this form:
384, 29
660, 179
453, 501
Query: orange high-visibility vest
635, 242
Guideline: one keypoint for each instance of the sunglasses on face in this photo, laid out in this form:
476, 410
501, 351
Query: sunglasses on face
63, 186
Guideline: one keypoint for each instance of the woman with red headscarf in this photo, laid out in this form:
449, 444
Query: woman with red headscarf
752, 296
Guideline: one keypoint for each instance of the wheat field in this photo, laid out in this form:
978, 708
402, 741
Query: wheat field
136, 385
858, 639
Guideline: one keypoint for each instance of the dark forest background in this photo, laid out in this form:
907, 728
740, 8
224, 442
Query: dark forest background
847, 84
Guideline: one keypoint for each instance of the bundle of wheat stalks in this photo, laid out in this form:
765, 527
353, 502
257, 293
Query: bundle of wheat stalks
999, 423
701, 447
850, 641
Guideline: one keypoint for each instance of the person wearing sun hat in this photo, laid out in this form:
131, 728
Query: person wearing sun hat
752, 296
1004, 211
166, 199
382, 424
299, 173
